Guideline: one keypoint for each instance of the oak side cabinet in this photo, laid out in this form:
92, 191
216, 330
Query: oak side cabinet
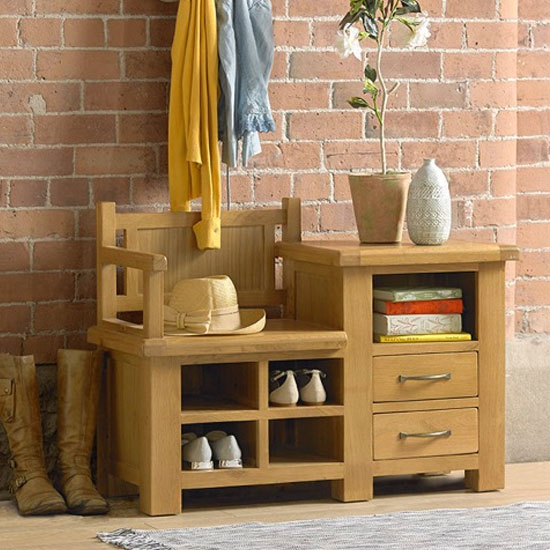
331, 283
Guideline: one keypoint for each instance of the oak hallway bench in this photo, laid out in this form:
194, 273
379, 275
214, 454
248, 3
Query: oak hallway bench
156, 387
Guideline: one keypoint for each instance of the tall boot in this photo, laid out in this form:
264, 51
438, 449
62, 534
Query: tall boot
20, 415
78, 381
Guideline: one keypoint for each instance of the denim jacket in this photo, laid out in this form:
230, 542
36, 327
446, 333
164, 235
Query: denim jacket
245, 48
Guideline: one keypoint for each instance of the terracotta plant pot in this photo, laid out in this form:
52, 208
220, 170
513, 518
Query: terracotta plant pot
380, 202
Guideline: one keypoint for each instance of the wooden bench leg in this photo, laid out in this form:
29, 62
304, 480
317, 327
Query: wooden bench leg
159, 405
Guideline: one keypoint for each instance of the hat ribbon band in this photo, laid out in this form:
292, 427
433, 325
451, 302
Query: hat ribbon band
197, 322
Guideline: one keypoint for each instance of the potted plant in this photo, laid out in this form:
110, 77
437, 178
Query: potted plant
380, 199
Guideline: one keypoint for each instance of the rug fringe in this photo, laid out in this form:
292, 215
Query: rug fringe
129, 539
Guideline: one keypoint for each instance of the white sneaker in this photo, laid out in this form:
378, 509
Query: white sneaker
313, 393
196, 452
287, 394
226, 450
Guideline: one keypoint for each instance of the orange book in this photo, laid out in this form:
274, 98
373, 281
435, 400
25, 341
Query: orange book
454, 305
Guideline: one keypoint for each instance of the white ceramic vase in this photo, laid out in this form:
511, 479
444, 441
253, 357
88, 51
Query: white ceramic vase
429, 206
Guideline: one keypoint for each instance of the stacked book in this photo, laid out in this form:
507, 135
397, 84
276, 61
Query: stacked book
418, 314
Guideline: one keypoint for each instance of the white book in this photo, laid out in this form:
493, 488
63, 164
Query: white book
417, 324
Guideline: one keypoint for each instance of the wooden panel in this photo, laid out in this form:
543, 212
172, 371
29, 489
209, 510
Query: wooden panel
430, 405
106, 274
425, 464
389, 384
424, 348
389, 445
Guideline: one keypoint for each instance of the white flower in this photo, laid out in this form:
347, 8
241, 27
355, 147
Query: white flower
413, 32
347, 42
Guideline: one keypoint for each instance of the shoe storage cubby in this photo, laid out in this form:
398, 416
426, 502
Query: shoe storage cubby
466, 281
219, 387
305, 440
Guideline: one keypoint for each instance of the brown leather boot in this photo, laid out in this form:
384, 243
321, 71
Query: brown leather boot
20, 415
78, 380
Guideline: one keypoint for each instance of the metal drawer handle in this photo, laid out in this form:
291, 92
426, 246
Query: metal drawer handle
445, 433
446, 376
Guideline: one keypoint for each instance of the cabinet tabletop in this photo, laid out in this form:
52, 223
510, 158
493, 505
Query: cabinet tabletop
352, 253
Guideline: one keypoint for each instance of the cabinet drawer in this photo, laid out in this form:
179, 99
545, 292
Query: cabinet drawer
429, 433
429, 376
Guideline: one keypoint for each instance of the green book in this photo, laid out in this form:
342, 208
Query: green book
415, 293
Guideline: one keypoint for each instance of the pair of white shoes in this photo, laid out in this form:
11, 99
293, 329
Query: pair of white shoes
198, 452
287, 394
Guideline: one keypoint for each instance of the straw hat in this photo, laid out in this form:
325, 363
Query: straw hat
209, 306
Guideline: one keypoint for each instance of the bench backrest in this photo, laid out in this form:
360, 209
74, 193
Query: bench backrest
246, 255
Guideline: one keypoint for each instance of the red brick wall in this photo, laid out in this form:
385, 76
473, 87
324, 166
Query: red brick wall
83, 96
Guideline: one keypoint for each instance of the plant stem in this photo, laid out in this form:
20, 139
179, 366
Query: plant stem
384, 101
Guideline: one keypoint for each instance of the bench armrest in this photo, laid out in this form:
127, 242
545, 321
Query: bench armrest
144, 261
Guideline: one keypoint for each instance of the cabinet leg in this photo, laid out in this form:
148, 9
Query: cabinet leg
347, 492
160, 438
484, 479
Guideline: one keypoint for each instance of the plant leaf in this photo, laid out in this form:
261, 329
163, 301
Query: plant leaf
370, 73
370, 25
358, 103
372, 6
408, 6
369, 87
350, 18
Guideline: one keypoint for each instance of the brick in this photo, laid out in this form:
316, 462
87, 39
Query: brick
161, 32
114, 160
69, 192
41, 31
111, 189
36, 162
449, 154
77, 6
506, 123
323, 66
341, 187
299, 8
86, 227
508, 9
86, 285
533, 9
503, 183
64, 316
506, 65
148, 7
326, 125
4, 192
358, 155
8, 32
241, 189
271, 187
16, 97
411, 64
78, 64
324, 33
143, 128
475, 65
312, 187
471, 9
468, 183
493, 212
533, 207
534, 123
410, 124
36, 287
433, 7
530, 293
64, 255
15, 130
491, 35
17, 224
534, 263
437, 94
523, 35
466, 123
541, 35
125, 96
280, 65
28, 193
535, 93
342, 91
75, 129
310, 218
301, 155
299, 95
84, 32
16, 7
445, 34
337, 217
44, 347
539, 320
291, 33
11, 344
497, 153
16, 64
150, 191
532, 151
129, 32
533, 179
148, 64
278, 133
15, 319
14, 256
533, 64
533, 235
493, 94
